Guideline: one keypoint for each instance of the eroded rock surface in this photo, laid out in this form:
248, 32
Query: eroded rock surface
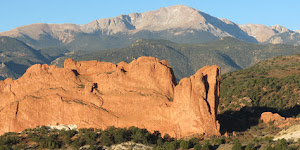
143, 93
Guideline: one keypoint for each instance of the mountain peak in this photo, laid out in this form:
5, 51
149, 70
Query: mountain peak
279, 28
180, 23
262, 32
180, 8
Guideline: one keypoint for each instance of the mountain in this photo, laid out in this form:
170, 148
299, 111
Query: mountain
228, 53
292, 38
16, 57
180, 24
6, 72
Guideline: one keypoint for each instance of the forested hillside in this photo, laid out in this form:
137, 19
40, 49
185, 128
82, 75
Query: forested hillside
185, 59
274, 83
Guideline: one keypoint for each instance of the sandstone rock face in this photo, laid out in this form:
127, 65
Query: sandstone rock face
143, 93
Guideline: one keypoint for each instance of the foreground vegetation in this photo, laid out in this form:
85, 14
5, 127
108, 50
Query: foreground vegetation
43, 137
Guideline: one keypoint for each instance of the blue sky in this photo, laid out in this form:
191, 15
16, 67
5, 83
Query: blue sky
15, 13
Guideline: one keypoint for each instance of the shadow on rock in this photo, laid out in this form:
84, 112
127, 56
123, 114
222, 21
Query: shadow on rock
249, 116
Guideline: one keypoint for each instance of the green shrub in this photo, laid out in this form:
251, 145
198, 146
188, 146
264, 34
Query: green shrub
220, 140
206, 145
193, 142
120, 135
197, 147
237, 145
171, 145
138, 137
159, 142
5, 147
268, 147
250, 146
106, 139
281, 144
184, 144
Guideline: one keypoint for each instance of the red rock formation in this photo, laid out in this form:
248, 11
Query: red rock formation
269, 116
278, 120
96, 94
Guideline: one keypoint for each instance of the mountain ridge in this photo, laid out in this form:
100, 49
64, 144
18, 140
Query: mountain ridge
179, 23
228, 53
16, 56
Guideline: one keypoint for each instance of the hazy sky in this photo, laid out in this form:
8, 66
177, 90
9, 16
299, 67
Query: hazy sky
15, 13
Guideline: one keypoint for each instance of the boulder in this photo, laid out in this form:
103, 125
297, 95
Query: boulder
278, 120
269, 116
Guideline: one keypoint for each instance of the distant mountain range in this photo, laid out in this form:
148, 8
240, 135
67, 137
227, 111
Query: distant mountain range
229, 53
171, 33
16, 57
180, 24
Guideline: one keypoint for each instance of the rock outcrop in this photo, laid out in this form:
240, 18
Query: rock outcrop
143, 93
278, 120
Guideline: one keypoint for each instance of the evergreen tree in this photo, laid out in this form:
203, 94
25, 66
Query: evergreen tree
105, 139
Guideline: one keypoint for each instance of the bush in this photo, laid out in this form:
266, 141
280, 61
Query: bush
281, 144
171, 145
250, 146
105, 139
5, 147
91, 137
159, 148
184, 144
206, 145
193, 142
269, 147
237, 145
120, 135
167, 137
219, 141
197, 147
67, 140
159, 142
138, 137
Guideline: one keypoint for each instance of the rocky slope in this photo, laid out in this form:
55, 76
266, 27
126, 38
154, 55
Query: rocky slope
178, 23
143, 93
262, 32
